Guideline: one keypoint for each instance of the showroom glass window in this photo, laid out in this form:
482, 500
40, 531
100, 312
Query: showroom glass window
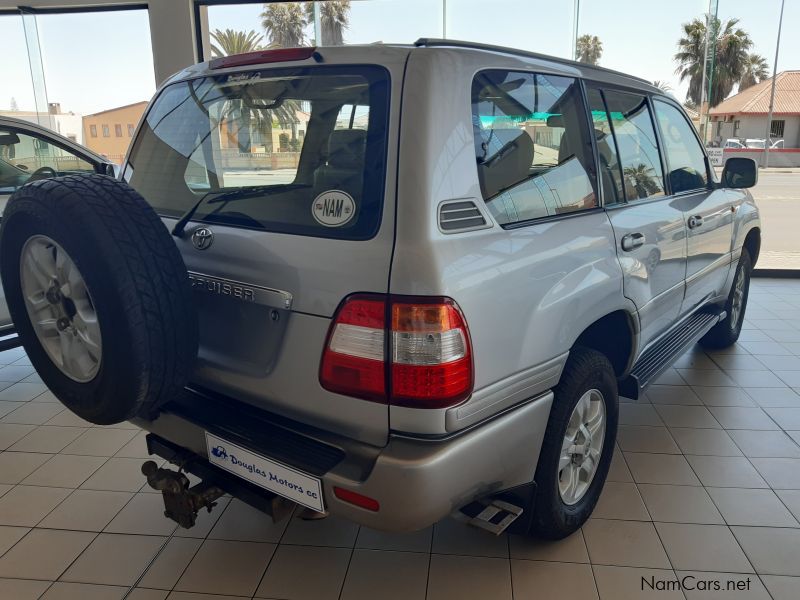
686, 161
530, 145
626, 117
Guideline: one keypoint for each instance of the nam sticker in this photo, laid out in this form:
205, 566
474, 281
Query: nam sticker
333, 208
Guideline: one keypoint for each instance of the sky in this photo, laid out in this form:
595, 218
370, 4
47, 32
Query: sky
96, 61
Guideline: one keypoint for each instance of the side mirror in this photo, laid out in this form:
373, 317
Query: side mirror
8, 139
740, 173
109, 169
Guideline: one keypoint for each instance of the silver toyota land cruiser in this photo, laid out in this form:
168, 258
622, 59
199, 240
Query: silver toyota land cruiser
419, 277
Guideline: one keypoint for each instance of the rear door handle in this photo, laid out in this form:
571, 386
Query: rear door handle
632, 241
695, 221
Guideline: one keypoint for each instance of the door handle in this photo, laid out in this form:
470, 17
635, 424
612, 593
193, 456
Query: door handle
632, 241
695, 221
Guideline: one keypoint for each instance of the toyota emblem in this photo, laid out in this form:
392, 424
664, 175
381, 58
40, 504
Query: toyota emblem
202, 238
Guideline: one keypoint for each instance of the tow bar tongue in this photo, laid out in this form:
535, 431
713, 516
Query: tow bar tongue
181, 503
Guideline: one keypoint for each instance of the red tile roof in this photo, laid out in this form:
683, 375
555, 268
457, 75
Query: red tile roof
755, 99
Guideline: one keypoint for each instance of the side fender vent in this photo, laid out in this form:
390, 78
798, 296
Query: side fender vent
460, 215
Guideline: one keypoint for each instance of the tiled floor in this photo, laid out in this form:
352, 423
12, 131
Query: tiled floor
705, 483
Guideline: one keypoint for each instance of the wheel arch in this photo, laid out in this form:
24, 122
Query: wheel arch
613, 335
752, 243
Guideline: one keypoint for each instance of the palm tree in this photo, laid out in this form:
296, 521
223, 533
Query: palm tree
664, 86
333, 16
284, 24
729, 52
756, 70
643, 180
225, 43
588, 49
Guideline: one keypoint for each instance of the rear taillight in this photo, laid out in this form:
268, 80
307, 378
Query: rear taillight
425, 360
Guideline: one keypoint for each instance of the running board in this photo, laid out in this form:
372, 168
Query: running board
660, 357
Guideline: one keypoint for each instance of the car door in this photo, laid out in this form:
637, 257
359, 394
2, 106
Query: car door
27, 154
648, 225
708, 212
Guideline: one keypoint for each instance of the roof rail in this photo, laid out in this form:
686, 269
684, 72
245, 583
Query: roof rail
441, 43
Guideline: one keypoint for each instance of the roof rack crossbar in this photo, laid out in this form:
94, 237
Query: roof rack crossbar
438, 42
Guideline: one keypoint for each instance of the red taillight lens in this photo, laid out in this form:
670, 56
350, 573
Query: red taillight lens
430, 356
263, 56
357, 499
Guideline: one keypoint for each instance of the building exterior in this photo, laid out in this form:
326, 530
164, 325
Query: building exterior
110, 132
67, 124
744, 115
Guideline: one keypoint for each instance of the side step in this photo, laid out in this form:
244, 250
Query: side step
660, 357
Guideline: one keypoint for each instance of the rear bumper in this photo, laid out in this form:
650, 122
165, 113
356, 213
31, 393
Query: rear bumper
417, 481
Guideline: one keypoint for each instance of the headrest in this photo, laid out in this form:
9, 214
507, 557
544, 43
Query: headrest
555, 121
346, 148
510, 164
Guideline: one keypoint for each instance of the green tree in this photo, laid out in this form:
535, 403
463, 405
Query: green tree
284, 24
643, 179
334, 17
664, 86
588, 49
756, 70
225, 43
730, 44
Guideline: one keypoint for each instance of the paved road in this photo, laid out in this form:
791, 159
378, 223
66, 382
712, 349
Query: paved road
778, 197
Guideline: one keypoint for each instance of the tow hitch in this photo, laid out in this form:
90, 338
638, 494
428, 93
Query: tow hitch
181, 502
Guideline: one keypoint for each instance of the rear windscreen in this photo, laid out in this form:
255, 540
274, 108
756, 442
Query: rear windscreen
299, 151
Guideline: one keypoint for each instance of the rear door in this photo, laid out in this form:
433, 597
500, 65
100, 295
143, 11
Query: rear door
648, 225
708, 212
292, 169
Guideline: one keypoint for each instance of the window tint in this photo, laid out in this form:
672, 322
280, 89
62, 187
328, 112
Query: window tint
635, 137
530, 145
685, 159
610, 168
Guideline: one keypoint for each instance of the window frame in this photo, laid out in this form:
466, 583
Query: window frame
709, 173
117, 130
93, 130
592, 172
106, 131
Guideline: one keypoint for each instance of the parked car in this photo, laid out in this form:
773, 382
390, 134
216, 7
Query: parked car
432, 311
777, 144
733, 143
758, 143
29, 152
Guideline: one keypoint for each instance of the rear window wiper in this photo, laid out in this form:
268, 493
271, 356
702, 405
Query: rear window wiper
226, 196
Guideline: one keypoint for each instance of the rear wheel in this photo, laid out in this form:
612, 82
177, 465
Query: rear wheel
578, 445
726, 332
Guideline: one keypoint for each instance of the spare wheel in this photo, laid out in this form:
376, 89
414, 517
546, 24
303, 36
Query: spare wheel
99, 295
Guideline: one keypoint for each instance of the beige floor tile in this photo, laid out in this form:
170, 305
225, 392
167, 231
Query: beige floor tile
143, 515
624, 543
687, 416
702, 548
48, 396
760, 508
22, 589
288, 573
416, 541
15, 373
170, 564
63, 590
780, 473
391, 575
707, 442
22, 392
672, 394
16, 466
787, 418
47, 439
795, 435
739, 362
245, 523
11, 433
199, 596
733, 586
44, 554
468, 578
148, 594
696, 359
656, 440
331, 531
771, 551
6, 406
638, 414
205, 521
117, 475
660, 468
552, 580
621, 501
626, 583
26, 505
765, 444
569, 549
791, 498
68, 418
113, 559
724, 396
453, 537
100, 441
618, 471
773, 397
136, 448
86, 510
10, 536
680, 504
669, 377
757, 379
32, 413
781, 587
708, 377
65, 470
225, 567
726, 471
742, 417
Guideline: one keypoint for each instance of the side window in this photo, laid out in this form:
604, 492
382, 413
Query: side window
610, 169
531, 146
685, 159
632, 127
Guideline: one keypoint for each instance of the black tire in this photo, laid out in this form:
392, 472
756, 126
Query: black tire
138, 288
726, 332
553, 518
